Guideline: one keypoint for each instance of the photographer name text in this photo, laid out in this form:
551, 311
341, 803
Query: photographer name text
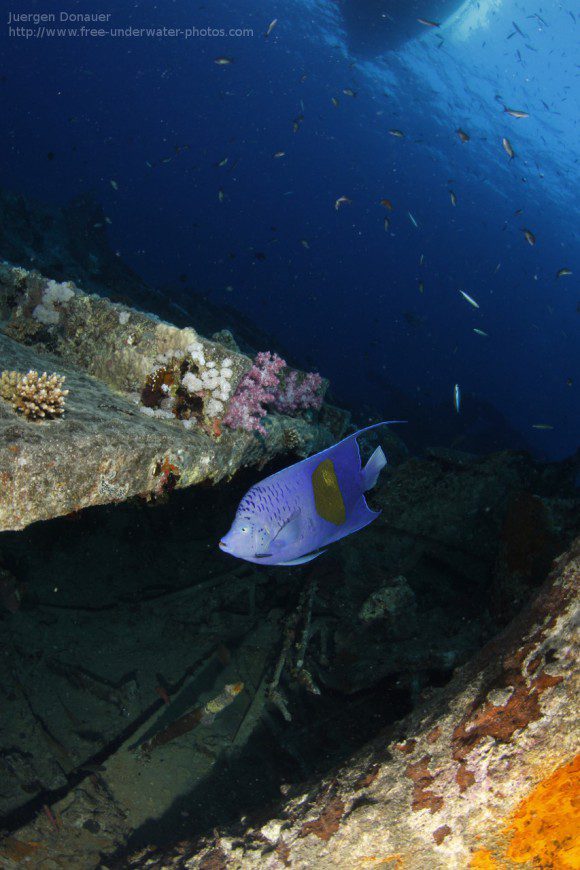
61, 17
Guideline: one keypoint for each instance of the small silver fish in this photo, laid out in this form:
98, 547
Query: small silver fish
516, 113
457, 398
507, 147
412, 219
481, 332
271, 27
469, 299
342, 200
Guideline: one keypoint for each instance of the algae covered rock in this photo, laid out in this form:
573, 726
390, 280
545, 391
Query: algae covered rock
119, 345
143, 405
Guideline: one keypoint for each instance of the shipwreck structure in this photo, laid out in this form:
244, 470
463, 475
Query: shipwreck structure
407, 701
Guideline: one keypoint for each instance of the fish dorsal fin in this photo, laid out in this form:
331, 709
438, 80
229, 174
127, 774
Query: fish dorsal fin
327, 495
288, 533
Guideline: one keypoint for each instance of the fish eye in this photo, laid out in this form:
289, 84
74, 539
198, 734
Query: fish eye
244, 529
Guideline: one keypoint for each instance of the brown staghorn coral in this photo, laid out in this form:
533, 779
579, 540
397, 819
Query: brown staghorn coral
36, 396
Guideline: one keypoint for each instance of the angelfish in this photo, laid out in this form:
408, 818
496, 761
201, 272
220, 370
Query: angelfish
288, 518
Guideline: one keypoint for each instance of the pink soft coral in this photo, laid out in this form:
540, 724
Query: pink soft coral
256, 389
299, 393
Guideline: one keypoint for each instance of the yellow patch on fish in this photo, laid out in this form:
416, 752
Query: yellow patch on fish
327, 496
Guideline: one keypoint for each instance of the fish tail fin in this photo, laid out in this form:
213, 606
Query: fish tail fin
371, 471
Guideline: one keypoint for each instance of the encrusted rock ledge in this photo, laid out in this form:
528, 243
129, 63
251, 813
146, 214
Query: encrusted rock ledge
481, 775
104, 448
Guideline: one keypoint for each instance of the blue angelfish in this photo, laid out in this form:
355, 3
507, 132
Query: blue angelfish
290, 516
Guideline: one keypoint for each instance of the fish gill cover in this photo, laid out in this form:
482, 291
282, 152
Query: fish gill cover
387, 189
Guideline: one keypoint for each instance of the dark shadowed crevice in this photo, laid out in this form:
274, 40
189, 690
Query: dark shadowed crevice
132, 623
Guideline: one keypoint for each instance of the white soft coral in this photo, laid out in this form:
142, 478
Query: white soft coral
55, 295
211, 377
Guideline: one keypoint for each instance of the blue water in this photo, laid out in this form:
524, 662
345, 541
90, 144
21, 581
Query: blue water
156, 116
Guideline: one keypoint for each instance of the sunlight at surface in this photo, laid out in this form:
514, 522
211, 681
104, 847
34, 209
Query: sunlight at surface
471, 17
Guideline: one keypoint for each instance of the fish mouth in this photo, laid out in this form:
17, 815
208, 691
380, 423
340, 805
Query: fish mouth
222, 545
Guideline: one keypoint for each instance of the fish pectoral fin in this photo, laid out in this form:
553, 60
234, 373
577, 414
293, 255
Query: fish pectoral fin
371, 471
303, 559
288, 534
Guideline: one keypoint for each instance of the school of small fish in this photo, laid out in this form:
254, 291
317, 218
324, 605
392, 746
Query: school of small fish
397, 133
